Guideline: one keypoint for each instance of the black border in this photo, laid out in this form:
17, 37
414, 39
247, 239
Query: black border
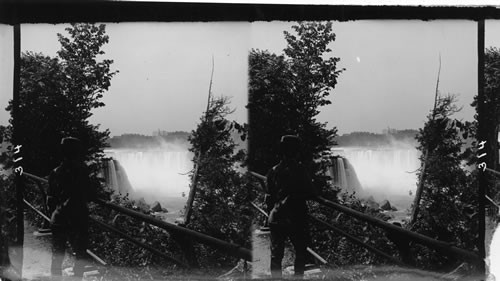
50, 11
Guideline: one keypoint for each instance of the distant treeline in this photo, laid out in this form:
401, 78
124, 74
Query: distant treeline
143, 141
389, 138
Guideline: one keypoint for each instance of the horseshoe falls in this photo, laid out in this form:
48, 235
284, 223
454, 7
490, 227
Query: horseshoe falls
153, 173
384, 172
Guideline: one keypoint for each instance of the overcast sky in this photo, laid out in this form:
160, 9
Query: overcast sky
390, 77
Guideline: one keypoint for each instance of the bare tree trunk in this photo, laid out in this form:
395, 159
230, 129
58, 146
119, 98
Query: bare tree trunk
192, 192
194, 182
421, 180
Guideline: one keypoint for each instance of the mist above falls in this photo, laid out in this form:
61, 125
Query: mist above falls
156, 167
384, 172
160, 172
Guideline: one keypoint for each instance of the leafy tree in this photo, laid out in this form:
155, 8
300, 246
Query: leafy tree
448, 196
492, 101
221, 205
57, 96
286, 92
491, 125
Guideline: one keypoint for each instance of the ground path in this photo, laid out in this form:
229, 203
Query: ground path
36, 256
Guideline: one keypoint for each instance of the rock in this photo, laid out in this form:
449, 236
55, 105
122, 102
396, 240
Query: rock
384, 217
164, 210
370, 202
142, 205
156, 207
386, 205
311, 272
179, 221
240, 271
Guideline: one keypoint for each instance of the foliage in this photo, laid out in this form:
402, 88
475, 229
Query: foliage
121, 253
449, 190
490, 123
221, 206
57, 95
55, 99
285, 94
491, 88
7, 211
336, 248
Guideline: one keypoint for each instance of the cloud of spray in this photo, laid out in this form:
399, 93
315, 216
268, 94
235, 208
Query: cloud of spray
161, 172
173, 145
388, 171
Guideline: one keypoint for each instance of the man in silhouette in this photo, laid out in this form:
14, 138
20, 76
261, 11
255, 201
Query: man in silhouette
288, 188
67, 197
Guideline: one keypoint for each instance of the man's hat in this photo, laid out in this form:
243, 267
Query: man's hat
71, 146
290, 144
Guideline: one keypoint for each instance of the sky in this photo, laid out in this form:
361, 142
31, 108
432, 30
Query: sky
6, 75
391, 71
389, 81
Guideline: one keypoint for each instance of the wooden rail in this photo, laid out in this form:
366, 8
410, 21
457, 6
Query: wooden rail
496, 173
422, 239
419, 238
359, 242
129, 238
46, 218
230, 248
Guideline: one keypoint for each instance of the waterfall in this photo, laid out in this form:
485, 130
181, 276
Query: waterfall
342, 178
154, 172
111, 177
116, 178
344, 175
388, 170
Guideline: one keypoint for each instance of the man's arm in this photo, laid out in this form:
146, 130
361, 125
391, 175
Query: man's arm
310, 189
52, 193
89, 184
271, 190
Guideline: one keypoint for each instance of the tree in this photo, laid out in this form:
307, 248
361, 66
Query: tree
449, 194
285, 94
57, 96
492, 102
490, 123
221, 206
